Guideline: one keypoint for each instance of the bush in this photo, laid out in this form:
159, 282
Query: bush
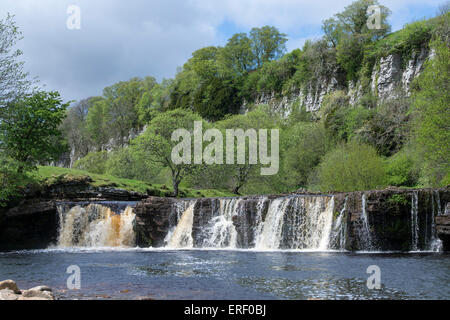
401, 170
128, 163
93, 162
351, 167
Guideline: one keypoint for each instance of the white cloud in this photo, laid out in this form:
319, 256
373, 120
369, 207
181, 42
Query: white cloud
121, 39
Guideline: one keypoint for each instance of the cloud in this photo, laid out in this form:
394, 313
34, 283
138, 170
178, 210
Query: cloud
122, 39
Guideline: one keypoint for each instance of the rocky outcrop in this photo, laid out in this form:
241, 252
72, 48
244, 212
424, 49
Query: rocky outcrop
443, 227
391, 219
10, 291
391, 75
32, 223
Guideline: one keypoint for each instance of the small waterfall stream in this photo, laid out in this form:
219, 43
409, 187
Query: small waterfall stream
414, 221
291, 222
95, 225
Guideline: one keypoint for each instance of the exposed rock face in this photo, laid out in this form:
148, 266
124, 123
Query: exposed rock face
443, 227
33, 222
10, 291
391, 219
390, 75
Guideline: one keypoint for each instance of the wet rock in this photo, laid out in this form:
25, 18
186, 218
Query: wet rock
10, 285
38, 294
7, 294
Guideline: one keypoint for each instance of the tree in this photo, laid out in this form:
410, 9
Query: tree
350, 167
156, 142
431, 101
267, 44
238, 55
13, 80
29, 130
348, 32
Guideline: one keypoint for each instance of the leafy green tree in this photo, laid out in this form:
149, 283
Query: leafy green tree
267, 44
432, 116
14, 81
238, 55
10, 179
157, 145
348, 32
97, 124
93, 162
303, 146
350, 167
30, 129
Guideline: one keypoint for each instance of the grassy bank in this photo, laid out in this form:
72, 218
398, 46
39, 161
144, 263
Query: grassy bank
47, 175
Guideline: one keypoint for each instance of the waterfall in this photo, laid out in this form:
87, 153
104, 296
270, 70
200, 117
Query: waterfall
290, 222
95, 225
182, 235
270, 236
435, 243
365, 233
414, 221
339, 230
220, 232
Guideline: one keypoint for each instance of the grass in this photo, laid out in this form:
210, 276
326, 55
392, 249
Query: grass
47, 175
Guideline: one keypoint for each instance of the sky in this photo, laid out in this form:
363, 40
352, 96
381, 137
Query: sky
121, 39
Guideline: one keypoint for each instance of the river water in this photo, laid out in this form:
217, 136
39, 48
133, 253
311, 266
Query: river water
132, 273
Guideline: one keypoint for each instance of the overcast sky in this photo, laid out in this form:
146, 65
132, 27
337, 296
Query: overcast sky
122, 39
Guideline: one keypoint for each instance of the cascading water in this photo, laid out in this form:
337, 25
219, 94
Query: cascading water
95, 225
339, 230
414, 221
220, 232
435, 243
270, 235
365, 233
294, 222
181, 236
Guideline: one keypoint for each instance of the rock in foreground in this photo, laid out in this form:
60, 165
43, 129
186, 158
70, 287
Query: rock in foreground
10, 291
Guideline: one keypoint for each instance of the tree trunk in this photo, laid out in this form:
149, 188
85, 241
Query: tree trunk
175, 184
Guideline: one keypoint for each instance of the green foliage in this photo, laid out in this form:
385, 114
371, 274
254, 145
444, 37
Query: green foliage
157, 145
10, 180
401, 170
130, 163
350, 167
398, 199
94, 162
13, 80
29, 129
432, 116
303, 146
348, 32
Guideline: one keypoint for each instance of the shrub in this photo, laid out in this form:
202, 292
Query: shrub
401, 170
93, 162
351, 167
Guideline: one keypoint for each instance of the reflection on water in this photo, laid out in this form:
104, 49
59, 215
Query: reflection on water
326, 288
192, 274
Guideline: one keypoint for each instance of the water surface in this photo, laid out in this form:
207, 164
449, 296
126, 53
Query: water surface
229, 274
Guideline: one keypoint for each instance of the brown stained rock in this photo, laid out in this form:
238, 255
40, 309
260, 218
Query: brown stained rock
10, 285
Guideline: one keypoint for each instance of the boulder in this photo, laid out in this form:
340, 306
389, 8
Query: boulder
39, 294
10, 285
7, 294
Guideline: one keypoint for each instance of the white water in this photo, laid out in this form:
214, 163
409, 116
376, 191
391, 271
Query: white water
312, 216
220, 232
95, 226
366, 236
182, 235
414, 221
